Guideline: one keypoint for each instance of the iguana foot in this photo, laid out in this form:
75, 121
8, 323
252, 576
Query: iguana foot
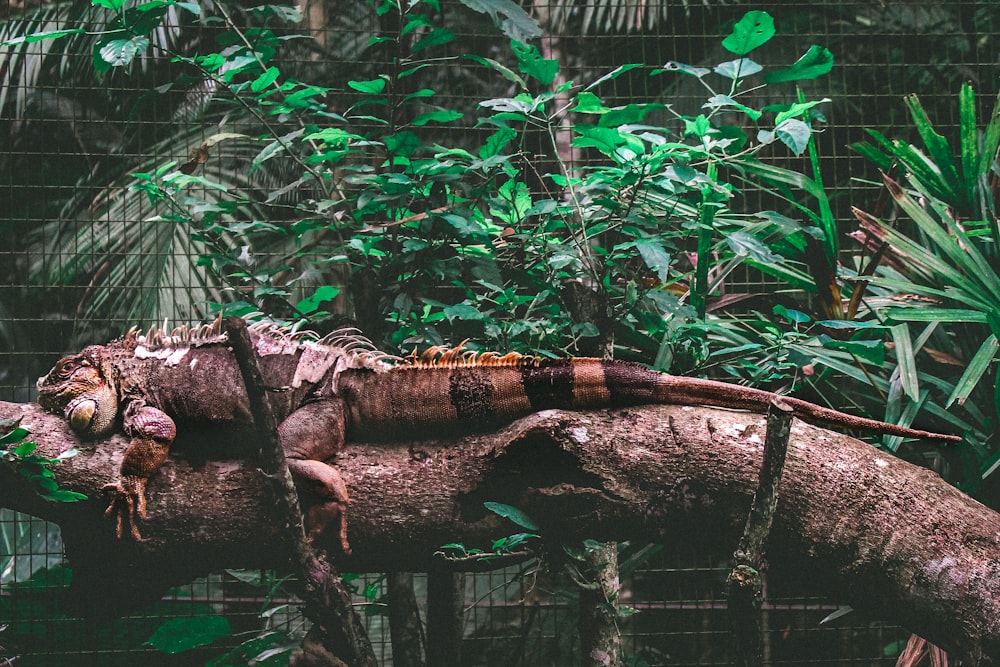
318, 517
127, 506
324, 498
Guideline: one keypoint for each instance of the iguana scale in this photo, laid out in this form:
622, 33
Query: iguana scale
328, 391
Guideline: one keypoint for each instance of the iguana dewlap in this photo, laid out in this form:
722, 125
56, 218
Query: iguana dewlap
325, 392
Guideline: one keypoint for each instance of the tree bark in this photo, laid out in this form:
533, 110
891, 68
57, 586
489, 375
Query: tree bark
883, 535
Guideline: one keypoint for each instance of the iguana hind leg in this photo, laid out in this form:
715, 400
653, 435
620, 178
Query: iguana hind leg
152, 432
309, 436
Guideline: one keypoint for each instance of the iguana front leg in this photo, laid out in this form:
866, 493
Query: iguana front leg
310, 435
152, 431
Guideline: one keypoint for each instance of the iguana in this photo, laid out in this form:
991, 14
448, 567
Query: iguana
327, 391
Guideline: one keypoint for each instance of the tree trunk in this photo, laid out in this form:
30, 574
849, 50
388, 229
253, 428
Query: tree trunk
883, 535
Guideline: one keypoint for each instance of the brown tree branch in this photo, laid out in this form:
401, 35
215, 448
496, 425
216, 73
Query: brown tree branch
882, 535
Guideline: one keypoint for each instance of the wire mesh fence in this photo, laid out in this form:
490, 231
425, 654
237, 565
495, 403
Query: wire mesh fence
83, 259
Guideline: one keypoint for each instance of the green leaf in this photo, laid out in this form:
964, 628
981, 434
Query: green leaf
184, 634
690, 70
113, 5
463, 311
655, 256
589, 103
512, 513
815, 62
496, 142
940, 152
719, 101
442, 116
530, 62
63, 496
796, 110
991, 141
517, 24
906, 363
313, 303
371, 87
269, 76
980, 363
613, 74
40, 36
500, 69
17, 435
121, 52
931, 314
754, 29
872, 351
747, 245
792, 132
25, 449
968, 140
736, 69
436, 37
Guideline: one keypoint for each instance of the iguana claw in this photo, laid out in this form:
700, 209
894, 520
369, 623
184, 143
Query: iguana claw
127, 506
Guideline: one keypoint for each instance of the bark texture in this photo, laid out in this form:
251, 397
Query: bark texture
885, 536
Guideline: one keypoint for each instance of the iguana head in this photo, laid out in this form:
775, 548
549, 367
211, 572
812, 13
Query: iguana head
80, 389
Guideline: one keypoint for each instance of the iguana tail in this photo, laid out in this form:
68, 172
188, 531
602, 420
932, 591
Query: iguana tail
462, 391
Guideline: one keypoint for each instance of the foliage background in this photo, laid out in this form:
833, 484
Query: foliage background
68, 146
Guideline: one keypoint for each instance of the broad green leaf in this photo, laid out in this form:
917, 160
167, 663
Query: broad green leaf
436, 37
113, 5
530, 62
512, 513
496, 142
463, 311
275, 147
737, 69
25, 449
371, 86
442, 116
792, 315
516, 24
500, 69
754, 29
269, 76
589, 103
121, 52
697, 127
906, 363
656, 257
815, 62
974, 372
690, 70
183, 634
630, 114
313, 303
793, 133
871, 351
64, 496
796, 110
746, 245
719, 101
17, 435
402, 143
